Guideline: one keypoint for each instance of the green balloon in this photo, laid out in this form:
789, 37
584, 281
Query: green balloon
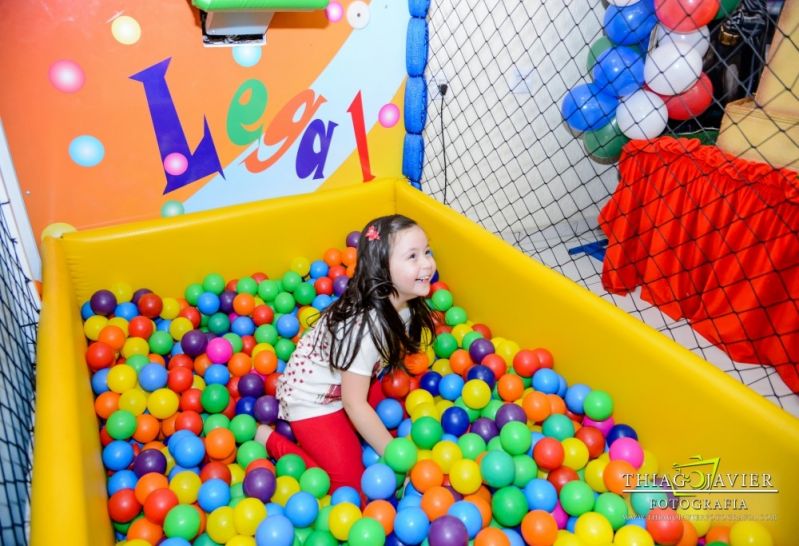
193, 293
235, 341
305, 293
426, 432
243, 427
217, 420
247, 285
266, 333
322, 522
315, 481
509, 506
320, 538
558, 426
491, 409
526, 470
471, 445
160, 342
442, 300
576, 498
497, 469
516, 438
219, 323
596, 50
726, 8
613, 508
291, 280
401, 454
367, 532
284, 303
214, 282
215, 398
290, 465
469, 338
444, 345
250, 451
182, 521
598, 405
121, 425
606, 142
137, 362
284, 349
268, 290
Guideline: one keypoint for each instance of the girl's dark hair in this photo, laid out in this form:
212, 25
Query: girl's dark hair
370, 288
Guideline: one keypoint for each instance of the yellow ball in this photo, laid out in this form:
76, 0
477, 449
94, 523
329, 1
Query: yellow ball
135, 346
417, 397
198, 382
163, 403
594, 471
324, 501
241, 540
236, 473
632, 535
220, 526
427, 409
431, 354
458, 331
575, 453
307, 316
443, 405
121, 323
424, 454
170, 308
749, 533
342, 518
247, 514
476, 394
186, 485
593, 529
134, 400
262, 347
507, 350
170, 460
285, 487
123, 291
93, 325
465, 477
121, 378
565, 538
137, 542
445, 453
179, 326
442, 366
300, 265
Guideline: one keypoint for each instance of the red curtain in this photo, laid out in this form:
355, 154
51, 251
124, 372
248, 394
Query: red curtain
713, 239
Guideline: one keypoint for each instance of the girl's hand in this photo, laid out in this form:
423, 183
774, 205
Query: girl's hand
354, 393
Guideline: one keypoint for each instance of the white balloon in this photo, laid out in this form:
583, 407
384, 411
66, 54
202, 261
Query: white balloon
671, 69
642, 115
622, 2
698, 40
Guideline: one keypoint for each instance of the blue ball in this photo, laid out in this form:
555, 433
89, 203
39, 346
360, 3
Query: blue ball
275, 531
118, 455
469, 514
404, 428
288, 326
546, 380
301, 509
430, 381
175, 541
127, 310
455, 421
630, 25
100, 381
540, 495
620, 431
188, 452
369, 456
562, 386
318, 269
390, 412
482, 373
411, 525
153, 377
409, 501
514, 537
177, 469
246, 404
619, 71
411, 490
378, 482
345, 493
586, 108
571, 523
213, 494
451, 386
243, 326
575, 397
217, 374
86, 310
274, 509
162, 325
123, 479
321, 301
637, 521
208, 303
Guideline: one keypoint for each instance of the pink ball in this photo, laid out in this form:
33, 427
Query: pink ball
627, 449
603, 426
176, 164
388, 115
560, 515
334, 12
219, 350
66, 76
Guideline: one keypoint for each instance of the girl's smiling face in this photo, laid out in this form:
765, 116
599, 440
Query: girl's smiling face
411, 265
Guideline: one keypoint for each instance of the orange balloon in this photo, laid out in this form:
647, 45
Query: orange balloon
243, 304
147, 428
718, 533
332, 257
460, 361
436, 501
149, 483
220, 443
383, 512
539, 528
619, 475
491, 536
113, 336
426, 474
146, 530
536, 405
349, 257
106, 404
265, 362
510, 387
240, 364
483, 505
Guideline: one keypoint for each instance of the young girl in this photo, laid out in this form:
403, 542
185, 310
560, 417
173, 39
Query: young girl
328, 390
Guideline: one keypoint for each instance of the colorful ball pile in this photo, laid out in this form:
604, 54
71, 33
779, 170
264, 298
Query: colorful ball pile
492, 446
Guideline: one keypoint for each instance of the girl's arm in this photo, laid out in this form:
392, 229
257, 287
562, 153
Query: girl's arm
354, 392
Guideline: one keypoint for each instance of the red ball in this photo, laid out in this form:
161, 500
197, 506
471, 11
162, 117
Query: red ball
215, 470
593, 440
248, 343
526, 363
561, 476
665, 526
123, 506
231, 285
159, 503
150, 305
413, 383
692, 102
191, 400
262, 314
336, 271
233, 387
105, 438
192, 314
181, 361
396, 384
230, 410
545, 358
141, 327
323, 285
483, 329
496, 364
99, 355
443, 329
548, 454
189, 420
438, 285
179, 379
270, 383
259, 276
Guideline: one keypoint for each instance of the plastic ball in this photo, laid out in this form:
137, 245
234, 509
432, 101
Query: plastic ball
497, 469
315, 481
182, 521
539, 528
426, 432
465, 476
378, 482
509, 506
598, 405
260, 483
586, 108
451, 386
450, 530
411, 525
627, 449
516, 438
302, 509
366, 532
509, 412
342, 518
455, 421
345, 494
149, 460
213, 494
400, 454
476, 394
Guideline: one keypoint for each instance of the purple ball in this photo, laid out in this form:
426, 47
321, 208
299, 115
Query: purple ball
251, 384
284, 428
485, 428
455, 495
479, 349
149, 460
139, 293
353, 238
509, 412
448, 531
340, 284
266, 409
103, 302
259, 483
193, 343
226, 301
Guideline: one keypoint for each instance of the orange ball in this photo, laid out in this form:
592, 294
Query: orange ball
619, 475
436, 501
106, 404
539, 528
168, 425
243, 304
383, 512
417, 363
556, 404
332, 257
665, 526
240, 364
718, 533
689, 536
491, 536
460, 361
426, 474
147, 428
113, 336
149, 483
350, 256
483, 505
220, 443
536, 405
265, 362
510, 387
144, 529
201, 363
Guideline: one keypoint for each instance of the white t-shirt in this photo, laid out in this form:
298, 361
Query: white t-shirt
309, 386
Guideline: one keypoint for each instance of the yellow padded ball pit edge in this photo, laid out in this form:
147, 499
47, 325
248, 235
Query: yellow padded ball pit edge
680, 405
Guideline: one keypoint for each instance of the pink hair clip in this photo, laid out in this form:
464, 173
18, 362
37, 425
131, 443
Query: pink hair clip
372, 233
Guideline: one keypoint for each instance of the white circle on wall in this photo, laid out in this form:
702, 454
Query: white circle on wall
126, 30
358, 14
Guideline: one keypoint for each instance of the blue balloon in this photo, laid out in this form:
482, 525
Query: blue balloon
390, 412
411, 525
275, 531
585, 108
378, 482
86, 151
630, 25
301, 509
213, 494
619, 71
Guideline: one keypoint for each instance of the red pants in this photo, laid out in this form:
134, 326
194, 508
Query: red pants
329, 442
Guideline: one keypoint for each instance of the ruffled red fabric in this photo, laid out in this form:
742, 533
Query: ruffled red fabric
713, 239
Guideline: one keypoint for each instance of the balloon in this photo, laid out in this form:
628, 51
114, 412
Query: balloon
642, 115
698, 40
670, 69
631, 24
692, 102
584, 108
686, 15
619, 71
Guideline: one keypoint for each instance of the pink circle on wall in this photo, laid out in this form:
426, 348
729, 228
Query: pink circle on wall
66, 76
176, 164
388, 115
334, 12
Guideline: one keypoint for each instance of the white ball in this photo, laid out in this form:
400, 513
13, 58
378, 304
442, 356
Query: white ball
642, 115
698, 40
671, 69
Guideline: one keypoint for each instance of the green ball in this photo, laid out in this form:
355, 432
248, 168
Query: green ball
645, 498
494, 444
235, 341
284, 348
121, 425
597, 48
315, 481
305, 293
401, 454
441, 300
266, 333
193, 293
234, 501
215, 398
426, 432
247, 285
367, 532
471, 445
726, 8
301, 534
598, 405
160, 342
205, 540
444, 345
576, 497
469, 338
491, 409
497, 469
123, 527
268, 290
605, 142
613, 508
320, 538
455, 315
322, 522
526, 470
290, 465
471, 412
243, 427
284, 303
219, 323
250, 451
516, 438
509, 506
215, 421
137, 362
214, 282
237, 491
291, 280
182, 521
558, 426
